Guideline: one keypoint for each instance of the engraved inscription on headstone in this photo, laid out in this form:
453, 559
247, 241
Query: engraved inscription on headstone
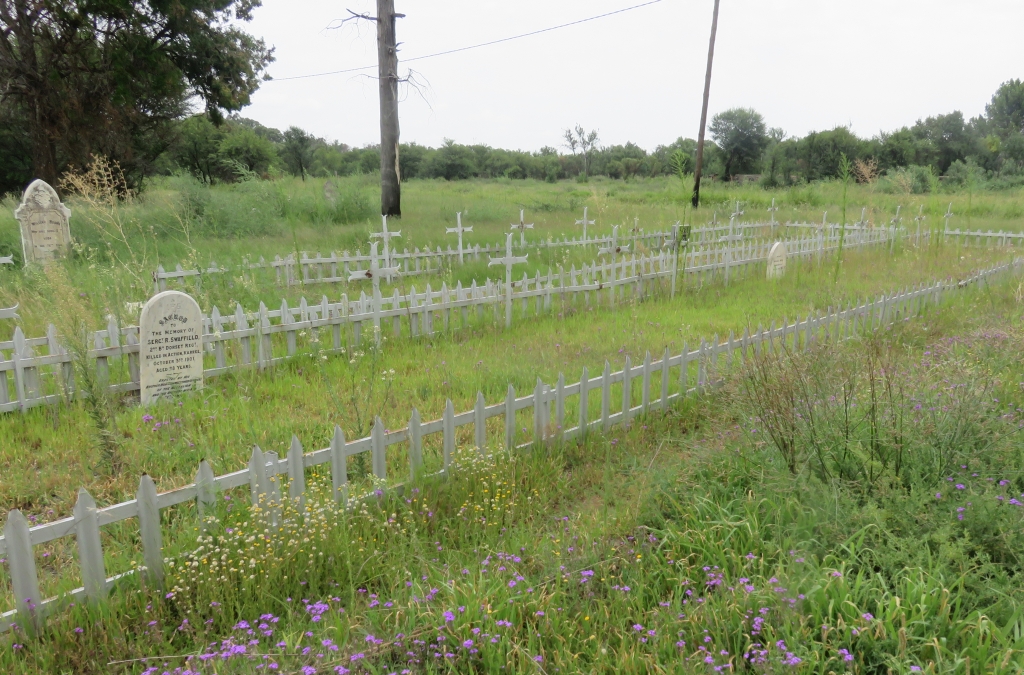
777, 261
170, 346
45, 234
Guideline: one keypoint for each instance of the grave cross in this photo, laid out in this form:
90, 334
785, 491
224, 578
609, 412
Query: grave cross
386, 237
584, 223
522, 226
895, 222
771, 212
459, 230
508, 260
863, 222
375, 272
614, 247
918, 219
949, 214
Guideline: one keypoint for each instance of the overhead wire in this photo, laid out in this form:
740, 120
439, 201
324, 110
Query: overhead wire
476, 46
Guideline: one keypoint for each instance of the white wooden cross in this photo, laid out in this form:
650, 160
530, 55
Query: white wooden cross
584, 223
508, 260
918, 219
949, 214
614, 247
895, 222
375, 272
863, 222
386, 237
771, 212
459, 230
522, 226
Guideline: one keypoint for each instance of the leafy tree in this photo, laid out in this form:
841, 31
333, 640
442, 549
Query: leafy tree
107, 76
942, 140
245, 147
583, 141
198, 147
452, 162
742, 136
297, 150
1006, 110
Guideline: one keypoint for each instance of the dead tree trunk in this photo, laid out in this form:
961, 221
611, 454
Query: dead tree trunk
387, 70
704, 110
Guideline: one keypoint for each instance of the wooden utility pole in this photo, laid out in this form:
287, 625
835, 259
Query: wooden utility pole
387, 71
704, 110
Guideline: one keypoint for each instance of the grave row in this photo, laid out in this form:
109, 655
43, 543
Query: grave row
246, 339
658, 388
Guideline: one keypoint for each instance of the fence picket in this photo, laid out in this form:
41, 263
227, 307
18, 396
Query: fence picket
90, 549
149, 530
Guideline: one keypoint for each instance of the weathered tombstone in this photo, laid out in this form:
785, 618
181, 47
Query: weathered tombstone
777, 261
330, 193
45, 233
170, 346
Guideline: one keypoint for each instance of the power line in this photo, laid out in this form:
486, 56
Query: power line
482, 44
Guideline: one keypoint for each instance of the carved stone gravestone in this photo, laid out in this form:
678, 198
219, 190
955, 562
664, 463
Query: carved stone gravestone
777, 261
330, 193
45, 233
170, 346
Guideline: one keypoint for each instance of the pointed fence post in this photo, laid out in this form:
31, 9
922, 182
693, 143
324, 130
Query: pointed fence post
560, 406
665, 380
606, 396
22, 566
296, 474
627, 392
149, 531
378, 450
510, 419
90, 550
415, 445
448, 427
584, 392
480, 422
258, 486
339, 467
206, 490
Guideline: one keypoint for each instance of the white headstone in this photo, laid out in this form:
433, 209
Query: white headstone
777, 261
45, 233
170, 346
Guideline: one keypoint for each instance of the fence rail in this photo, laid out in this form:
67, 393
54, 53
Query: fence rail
307, 268
245, 339
684, 373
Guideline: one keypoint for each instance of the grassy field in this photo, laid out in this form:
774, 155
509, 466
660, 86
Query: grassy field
684, 544
178, 221
644, 510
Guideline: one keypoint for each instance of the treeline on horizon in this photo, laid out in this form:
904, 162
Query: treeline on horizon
942, 152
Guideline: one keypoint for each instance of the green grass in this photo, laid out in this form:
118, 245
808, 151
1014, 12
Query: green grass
706, 489
178, 221
689, 502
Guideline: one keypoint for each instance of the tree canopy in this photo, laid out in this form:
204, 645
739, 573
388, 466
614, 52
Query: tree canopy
742, 136
88, 77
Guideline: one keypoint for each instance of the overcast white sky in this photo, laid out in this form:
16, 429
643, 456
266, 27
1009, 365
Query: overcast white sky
804, 64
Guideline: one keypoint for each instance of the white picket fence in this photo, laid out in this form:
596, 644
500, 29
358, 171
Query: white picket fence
336, 268
693, 370
245, 339
998, 239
